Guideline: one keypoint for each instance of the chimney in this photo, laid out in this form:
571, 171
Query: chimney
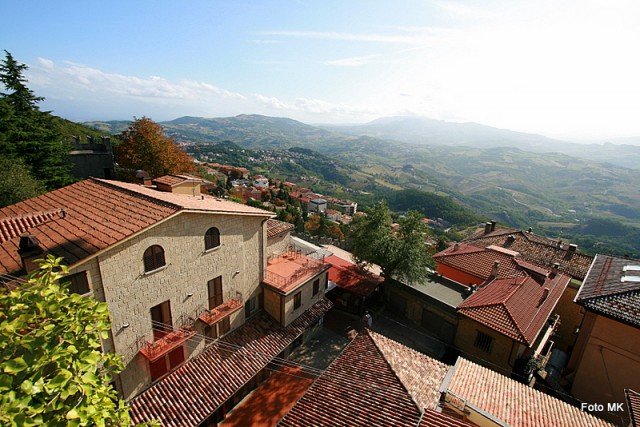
142, 177
456, 247
493, 225
494, 269
29, 251
487, 228
573, 247
560, 243
554, 269
545, 294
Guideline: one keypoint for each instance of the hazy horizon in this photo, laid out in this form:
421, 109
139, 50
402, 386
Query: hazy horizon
559, 69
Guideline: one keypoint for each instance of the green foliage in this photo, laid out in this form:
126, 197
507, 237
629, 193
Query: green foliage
16, 182
52, 370
28, 133
401, 254
433, 206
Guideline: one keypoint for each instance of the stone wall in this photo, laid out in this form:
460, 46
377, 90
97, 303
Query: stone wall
131, 292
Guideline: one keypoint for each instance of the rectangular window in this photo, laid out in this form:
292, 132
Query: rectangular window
483, 342
79, 283
297, 300
316, 287
214, 287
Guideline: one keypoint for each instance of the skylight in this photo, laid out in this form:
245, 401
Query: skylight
630, 279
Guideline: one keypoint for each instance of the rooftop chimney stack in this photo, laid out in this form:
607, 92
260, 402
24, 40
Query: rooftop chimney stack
487, 228
493, 226
494, 269
29, 251
554, 269
573, 247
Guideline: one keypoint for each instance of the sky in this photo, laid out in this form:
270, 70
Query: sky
567, 69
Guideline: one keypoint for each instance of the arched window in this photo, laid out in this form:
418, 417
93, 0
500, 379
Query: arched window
211, 238
153, 258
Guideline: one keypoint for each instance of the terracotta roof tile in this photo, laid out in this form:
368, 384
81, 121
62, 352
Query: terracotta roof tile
612, 288
172, 180
348, 276
362, 387
477, 260
420, 374
191, 393
432, 418
512, 402
97, 213
633, 403
516, 307
536, 249
275, 227
286, 272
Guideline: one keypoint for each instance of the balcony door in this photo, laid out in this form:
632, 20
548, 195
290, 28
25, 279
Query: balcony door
215, 292
161, 320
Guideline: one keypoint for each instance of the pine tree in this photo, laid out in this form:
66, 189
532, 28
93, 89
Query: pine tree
27, 133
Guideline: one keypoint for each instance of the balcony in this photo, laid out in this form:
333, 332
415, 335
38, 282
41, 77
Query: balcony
287, 271
174, 339
215, 315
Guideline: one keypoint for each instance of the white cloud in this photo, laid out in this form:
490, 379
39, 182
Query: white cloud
355, 61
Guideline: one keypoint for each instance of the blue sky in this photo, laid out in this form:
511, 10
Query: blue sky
566, 69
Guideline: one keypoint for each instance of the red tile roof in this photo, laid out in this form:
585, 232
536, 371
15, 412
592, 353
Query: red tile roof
536, 249
478, 261
633, 404
512, 402
371, 384
97, 214
432, 418
348, 276
516, 307
172, 180
275, 227
612, 288
191, 393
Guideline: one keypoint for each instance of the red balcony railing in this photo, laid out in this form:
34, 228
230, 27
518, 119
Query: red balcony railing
213, 316
155, 350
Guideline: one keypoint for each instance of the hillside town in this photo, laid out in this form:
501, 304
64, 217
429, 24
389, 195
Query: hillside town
219, 314
141, 286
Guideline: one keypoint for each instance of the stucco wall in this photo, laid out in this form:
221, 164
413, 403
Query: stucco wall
308, 299
609, 362
504, 351
131, 292
570, 318
458, 276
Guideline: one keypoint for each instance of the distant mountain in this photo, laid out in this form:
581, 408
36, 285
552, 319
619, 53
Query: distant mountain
519, 179
425, 131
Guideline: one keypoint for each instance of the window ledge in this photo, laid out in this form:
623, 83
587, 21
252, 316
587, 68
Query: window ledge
150, 272
206, 251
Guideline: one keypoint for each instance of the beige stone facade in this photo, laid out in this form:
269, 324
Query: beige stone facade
118, 277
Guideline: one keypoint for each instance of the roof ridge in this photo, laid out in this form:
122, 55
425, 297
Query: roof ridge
518, 327
110, 184
391, 366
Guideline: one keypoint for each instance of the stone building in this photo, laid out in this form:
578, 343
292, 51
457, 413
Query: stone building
180, 273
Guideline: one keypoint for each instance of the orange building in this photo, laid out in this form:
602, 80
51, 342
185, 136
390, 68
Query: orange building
606, 359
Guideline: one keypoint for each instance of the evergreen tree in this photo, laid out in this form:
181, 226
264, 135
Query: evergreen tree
30, 134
